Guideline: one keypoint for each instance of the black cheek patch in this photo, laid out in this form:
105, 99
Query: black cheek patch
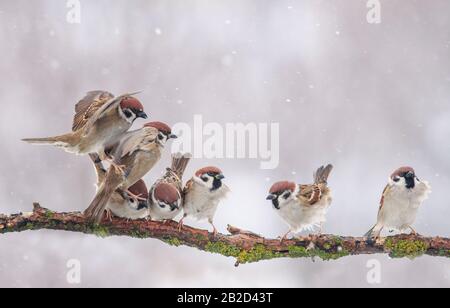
217, 184
142, 205
276, 203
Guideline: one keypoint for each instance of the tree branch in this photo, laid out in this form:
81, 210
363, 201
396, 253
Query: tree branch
244, 246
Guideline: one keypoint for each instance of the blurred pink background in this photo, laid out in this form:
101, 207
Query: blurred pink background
367, 98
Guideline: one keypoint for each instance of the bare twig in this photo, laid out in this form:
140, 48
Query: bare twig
244, 246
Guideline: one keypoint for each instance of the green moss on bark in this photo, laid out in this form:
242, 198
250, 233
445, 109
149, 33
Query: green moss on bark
324, 254
406, 248
223, 249
257, 253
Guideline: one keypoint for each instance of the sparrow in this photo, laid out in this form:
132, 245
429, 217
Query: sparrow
303, 206
202, 195
100, 120
137, 153
121, 204
165, 196
401, 199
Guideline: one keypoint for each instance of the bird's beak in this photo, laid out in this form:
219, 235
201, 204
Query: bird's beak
173, 136
220, 177
271, 197
142, 114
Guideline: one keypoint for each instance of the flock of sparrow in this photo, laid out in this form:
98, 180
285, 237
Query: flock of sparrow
101, 130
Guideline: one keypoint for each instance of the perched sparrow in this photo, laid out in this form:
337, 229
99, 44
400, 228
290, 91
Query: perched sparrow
165, 197
100, 120
121, 204
303, 206
137, 153
401, 199
203, 194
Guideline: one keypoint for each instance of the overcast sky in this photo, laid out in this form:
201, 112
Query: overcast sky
366, 97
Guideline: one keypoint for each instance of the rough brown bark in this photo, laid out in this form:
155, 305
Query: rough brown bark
244, 246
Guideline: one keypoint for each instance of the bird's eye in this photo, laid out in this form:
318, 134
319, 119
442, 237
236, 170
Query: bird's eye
287, 195
128, 113
205, 178
132, 200
162, 205
396, 179
160, 137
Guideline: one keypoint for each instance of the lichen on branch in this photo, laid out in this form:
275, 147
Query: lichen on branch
244, 246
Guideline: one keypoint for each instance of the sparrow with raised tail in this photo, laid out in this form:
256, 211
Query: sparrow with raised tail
137, 153
203, 194
165, 197
401, 199
121, 204
303, 206
100, 120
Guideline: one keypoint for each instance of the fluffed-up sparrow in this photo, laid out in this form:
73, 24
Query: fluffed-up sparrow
165, 196
202, 195
401, 199
303, 206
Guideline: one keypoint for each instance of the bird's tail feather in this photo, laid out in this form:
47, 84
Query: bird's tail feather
99, 168
62, 141
322, 174
97, 208
179, 164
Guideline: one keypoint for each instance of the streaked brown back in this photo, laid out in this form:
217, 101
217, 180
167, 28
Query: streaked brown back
88, 106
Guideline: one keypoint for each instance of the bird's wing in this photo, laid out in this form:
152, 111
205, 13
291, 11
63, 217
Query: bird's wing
88, 106
311, 194
173, 178
385, 192
188, 187
103, 110
135, 141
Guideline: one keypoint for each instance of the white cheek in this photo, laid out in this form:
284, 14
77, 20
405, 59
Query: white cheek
208, 183
166, 207
283, 201
399, 183
162, 142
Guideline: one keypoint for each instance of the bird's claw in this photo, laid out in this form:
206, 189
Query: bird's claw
119, 168
136, 198
180, 226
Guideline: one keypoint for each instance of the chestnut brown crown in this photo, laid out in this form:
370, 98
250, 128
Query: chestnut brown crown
131, 103
282, 186
162, 127
139, 189
166, 193
210, 169
402, 171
